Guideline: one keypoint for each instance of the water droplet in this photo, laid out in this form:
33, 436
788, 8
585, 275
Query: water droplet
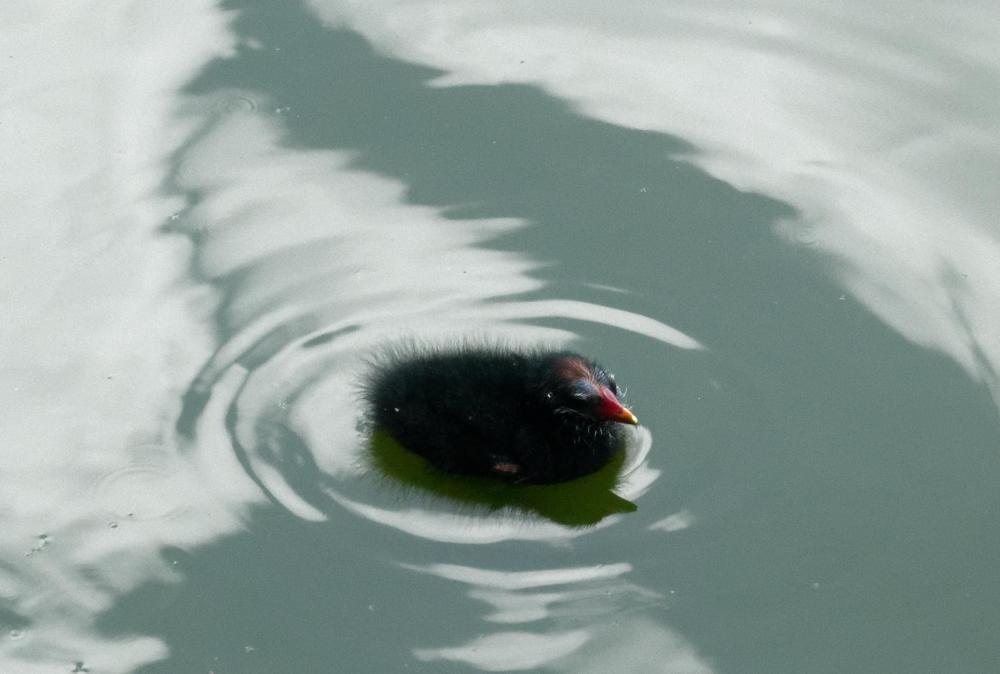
15, 634
236, 104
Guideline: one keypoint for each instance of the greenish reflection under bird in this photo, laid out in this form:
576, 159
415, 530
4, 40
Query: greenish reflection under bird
581, 502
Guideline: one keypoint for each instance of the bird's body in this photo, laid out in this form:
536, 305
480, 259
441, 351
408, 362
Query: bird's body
531, 416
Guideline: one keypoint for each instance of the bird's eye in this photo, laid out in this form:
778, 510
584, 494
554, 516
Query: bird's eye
612, 384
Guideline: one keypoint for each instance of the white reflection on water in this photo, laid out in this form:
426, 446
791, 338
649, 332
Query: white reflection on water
521, 580
509, 651
878, 125
99, 331
676, 522
455, 528
627, 320
589, 622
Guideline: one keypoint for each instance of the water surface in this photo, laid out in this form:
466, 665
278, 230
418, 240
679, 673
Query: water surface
772, 222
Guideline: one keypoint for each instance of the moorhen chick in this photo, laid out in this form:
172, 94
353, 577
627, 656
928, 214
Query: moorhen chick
529, 416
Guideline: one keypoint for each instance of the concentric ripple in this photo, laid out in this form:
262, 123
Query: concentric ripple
303, 307
297, 427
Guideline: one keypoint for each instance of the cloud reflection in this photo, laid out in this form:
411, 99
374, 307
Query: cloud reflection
98, 332
871, 124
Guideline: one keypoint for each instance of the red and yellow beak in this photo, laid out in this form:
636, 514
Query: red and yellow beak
611, 409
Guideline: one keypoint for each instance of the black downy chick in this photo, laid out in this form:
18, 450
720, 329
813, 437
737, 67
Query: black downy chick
530, 416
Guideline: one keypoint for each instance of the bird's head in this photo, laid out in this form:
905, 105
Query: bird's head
575, 385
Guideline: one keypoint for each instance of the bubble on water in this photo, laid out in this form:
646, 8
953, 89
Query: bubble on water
145, 491
236, 105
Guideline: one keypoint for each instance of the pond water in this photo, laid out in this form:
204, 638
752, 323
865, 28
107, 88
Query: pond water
775, 222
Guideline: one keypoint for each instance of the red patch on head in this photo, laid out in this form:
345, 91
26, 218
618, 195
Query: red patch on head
574, 368
609, 408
